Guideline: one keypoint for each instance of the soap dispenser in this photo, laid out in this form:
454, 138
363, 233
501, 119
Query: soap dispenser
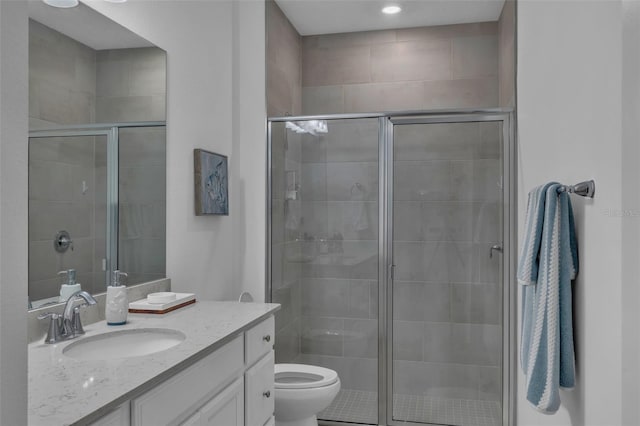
117, 306
70, 286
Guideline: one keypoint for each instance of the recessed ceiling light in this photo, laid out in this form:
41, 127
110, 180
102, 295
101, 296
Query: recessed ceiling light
391, 10
65, 4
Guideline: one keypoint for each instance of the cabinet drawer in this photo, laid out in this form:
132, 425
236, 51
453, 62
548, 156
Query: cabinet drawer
259, 340
259, 394
181, 395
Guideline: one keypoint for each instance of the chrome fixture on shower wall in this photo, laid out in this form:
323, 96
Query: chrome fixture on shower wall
62, 242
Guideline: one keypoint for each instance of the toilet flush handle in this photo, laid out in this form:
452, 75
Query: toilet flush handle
267, 338
266, 394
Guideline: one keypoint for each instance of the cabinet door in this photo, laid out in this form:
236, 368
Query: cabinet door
260, 396
195, 420
118, 417
226, 408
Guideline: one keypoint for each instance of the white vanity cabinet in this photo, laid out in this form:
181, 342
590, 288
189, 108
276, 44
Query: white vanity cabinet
232, 386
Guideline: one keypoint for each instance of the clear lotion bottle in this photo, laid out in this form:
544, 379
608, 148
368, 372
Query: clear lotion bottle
117, 306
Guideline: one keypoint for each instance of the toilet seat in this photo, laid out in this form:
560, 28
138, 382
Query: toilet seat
302, 376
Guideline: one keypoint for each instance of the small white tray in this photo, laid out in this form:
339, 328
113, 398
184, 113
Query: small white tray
143, 306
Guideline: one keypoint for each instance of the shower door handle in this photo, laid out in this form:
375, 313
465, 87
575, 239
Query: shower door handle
496, 247
392, 270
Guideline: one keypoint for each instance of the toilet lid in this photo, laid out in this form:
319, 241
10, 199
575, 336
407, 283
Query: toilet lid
302, 376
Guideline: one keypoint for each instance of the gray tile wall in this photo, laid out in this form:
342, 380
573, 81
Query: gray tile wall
62, 78
451, 66
284, 64
507, 54
131, 85
447, 292
58, 167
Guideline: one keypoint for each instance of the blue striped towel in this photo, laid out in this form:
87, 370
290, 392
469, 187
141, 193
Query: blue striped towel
548, 262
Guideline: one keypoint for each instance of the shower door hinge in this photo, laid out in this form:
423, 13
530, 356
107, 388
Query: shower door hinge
392, 269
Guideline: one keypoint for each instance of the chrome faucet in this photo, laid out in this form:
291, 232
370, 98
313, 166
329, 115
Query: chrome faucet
69, 325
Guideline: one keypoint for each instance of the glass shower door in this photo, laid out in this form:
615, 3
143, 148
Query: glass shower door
324, 254
447, 292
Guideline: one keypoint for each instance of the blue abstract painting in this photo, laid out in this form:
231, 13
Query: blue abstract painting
211, 183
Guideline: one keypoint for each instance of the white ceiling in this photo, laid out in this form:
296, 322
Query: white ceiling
87, 26
312, 17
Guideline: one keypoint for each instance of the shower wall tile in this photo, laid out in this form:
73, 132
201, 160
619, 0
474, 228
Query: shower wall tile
352, 141
48, 217
322, 336
131, 85
475, 56
354, 220
446, 31
379, 97
284, 63
422, 180
436, 141
325, 297
411, 60
142, 147
314, 149
313, 181
433, 261
361, 338
476, 180
420, 301
407, 340
361, 38
336, 65
461, 93
50, 181
358, 304
450, 66
287, 346
320, 99
342, 179
142, 184
476, 303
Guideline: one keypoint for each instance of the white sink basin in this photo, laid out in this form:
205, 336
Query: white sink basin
124, 344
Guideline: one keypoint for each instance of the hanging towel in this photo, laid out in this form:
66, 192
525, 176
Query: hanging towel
548, 262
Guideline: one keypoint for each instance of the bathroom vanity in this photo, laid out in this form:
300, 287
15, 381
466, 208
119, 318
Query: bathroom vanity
220, 372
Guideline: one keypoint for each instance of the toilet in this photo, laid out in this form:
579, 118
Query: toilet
302, 391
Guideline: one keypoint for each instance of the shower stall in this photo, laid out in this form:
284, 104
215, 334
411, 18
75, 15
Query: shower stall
390, 249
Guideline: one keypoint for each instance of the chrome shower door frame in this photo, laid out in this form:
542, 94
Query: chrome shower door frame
386, 276
386, 122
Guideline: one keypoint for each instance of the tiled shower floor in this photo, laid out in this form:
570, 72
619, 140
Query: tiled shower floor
361, 407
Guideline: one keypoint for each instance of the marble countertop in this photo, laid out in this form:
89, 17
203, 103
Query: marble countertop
65, 391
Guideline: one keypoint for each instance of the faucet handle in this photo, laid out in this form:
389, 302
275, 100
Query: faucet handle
76, 323
54, 332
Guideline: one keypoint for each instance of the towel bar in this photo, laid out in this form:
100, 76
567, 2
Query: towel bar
584, 189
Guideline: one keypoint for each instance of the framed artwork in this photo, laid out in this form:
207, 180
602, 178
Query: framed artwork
211, 183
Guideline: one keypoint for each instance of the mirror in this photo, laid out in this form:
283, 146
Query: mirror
97, 153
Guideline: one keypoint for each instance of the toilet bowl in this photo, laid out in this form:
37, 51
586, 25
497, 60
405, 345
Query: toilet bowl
302, 391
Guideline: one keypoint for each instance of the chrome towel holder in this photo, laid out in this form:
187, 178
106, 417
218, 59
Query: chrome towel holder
584, 189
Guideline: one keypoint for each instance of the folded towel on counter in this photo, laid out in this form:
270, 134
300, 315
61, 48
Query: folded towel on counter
548, 262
